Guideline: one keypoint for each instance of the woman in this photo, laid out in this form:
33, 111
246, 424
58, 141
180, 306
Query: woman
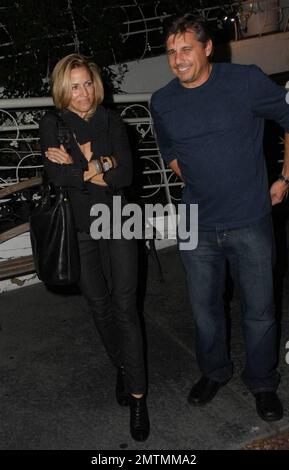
108, 267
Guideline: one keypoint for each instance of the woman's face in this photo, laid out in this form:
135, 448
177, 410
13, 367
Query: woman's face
82, 91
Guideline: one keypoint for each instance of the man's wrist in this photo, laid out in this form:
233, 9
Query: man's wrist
284, 179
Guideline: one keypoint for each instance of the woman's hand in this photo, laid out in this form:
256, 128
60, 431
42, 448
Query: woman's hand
58, 155
98, 179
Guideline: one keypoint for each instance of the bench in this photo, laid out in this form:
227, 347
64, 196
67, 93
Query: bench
24, 265
16, 267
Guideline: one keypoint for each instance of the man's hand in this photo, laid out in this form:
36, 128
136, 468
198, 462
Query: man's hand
278, 191
58, 155
280, 188
175, 167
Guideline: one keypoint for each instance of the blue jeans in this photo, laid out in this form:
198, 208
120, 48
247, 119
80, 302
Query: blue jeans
249, 251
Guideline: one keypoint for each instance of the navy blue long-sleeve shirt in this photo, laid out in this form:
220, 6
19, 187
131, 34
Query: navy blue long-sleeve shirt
215, 131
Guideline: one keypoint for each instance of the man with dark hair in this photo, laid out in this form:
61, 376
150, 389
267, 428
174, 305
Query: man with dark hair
209, 124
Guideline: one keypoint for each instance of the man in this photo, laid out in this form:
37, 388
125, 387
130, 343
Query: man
209, 124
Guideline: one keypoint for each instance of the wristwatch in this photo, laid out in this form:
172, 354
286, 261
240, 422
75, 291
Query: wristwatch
282, 178
97, 165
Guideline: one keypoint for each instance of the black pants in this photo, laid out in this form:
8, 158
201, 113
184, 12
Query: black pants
114, 309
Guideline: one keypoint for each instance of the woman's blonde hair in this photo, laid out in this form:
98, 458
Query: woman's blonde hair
61, 81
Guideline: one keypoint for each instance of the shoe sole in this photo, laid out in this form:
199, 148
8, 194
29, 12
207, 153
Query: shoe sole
205, 402
269, 419
201, 403
140, 439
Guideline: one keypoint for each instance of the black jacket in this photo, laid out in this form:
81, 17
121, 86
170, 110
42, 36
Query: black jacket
106, 132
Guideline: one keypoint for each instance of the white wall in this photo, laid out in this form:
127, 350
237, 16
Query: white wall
284, 3
270, 52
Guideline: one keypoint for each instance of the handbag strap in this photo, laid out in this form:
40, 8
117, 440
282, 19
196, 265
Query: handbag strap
64, 137
64, 133
108, 133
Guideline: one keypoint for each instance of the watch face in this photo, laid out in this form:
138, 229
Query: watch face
105, 166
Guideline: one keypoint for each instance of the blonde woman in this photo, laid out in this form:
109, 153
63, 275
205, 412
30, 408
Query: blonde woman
108, 267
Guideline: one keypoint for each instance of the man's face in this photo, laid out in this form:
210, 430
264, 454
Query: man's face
188, 58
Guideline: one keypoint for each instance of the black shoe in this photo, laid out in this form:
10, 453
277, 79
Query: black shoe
121, 393
268, 406
139, 418
204, 391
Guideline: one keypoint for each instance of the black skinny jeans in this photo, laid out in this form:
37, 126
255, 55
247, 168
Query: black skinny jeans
115, 314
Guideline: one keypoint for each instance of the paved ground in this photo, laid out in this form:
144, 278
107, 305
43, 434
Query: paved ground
57, 386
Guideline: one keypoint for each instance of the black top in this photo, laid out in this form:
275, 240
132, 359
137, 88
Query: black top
106, 132
216, 133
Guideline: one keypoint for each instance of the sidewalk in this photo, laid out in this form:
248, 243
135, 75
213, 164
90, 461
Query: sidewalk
57, 385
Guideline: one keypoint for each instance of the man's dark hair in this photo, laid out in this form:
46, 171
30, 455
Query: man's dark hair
189, 22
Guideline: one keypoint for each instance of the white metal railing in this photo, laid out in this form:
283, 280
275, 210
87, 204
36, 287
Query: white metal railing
20, 156
241, 13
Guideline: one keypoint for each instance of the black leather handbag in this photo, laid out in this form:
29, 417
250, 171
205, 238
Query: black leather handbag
53, 234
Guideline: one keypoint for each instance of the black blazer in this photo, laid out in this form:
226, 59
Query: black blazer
107, 134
